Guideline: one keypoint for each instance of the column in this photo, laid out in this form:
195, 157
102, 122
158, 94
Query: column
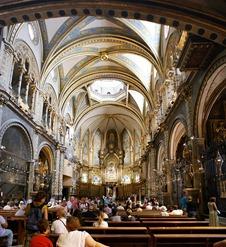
30, 182
61, 171
1, 35
187, 95
198, 178
46, 116
169, 178
50, 121
19, 82
27, 90
150, 169
57, 173
3, 101
33, 89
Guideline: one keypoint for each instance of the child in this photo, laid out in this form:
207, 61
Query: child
41, 240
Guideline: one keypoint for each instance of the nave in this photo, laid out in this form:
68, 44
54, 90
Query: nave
113, 98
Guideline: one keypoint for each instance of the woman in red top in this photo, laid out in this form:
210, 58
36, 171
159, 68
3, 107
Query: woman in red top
41, 240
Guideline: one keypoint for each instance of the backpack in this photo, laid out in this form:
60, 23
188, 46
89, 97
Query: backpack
35, 215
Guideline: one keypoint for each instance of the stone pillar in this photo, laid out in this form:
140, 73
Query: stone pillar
55, 183
3, 101
120, 174
169, 178
46, 116
19, 82
34, 90
150, 169
187, 95
51, 121
61, 171
1, 35
197, 148
27, 90
30, 182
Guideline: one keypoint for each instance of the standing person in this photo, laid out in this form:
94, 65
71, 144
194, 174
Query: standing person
191, 207
6, 232
36, 211
41, 240
183, 201
75, 238
213, 217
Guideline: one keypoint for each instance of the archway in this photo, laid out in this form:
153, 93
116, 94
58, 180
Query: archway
215, 151
177, 139
43, 170
15, 153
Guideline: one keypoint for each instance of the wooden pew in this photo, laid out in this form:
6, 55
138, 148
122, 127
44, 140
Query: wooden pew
190, 229
125, 223
123, 240
170, 240
166, 218
116, 240
16, 224
114, 230
112, 223
174, 223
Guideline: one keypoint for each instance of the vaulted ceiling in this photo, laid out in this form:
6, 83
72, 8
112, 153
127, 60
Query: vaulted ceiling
103, 71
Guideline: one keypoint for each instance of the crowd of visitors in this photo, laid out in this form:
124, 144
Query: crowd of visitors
66, 216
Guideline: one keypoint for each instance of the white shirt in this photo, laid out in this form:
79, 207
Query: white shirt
72, 239
102, 224
2, 221
59, 226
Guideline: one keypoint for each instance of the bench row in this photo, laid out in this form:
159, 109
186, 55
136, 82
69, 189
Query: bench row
155, 240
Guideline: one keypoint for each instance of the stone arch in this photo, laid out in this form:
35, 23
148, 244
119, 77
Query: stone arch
17, 124
15, 154
27, 56
43, 168
48, 151
212, 87
178, 131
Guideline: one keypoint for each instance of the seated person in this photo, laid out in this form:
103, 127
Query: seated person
100, 222
149, 206
129, 216
120, 207
138, 208
115, 217
163, 210
176, 211
21, 210
220, 244
41, 240
8, 206
75, 238
5, 232
59, 226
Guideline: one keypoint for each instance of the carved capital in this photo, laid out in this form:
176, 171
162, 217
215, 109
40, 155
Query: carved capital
3, 100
